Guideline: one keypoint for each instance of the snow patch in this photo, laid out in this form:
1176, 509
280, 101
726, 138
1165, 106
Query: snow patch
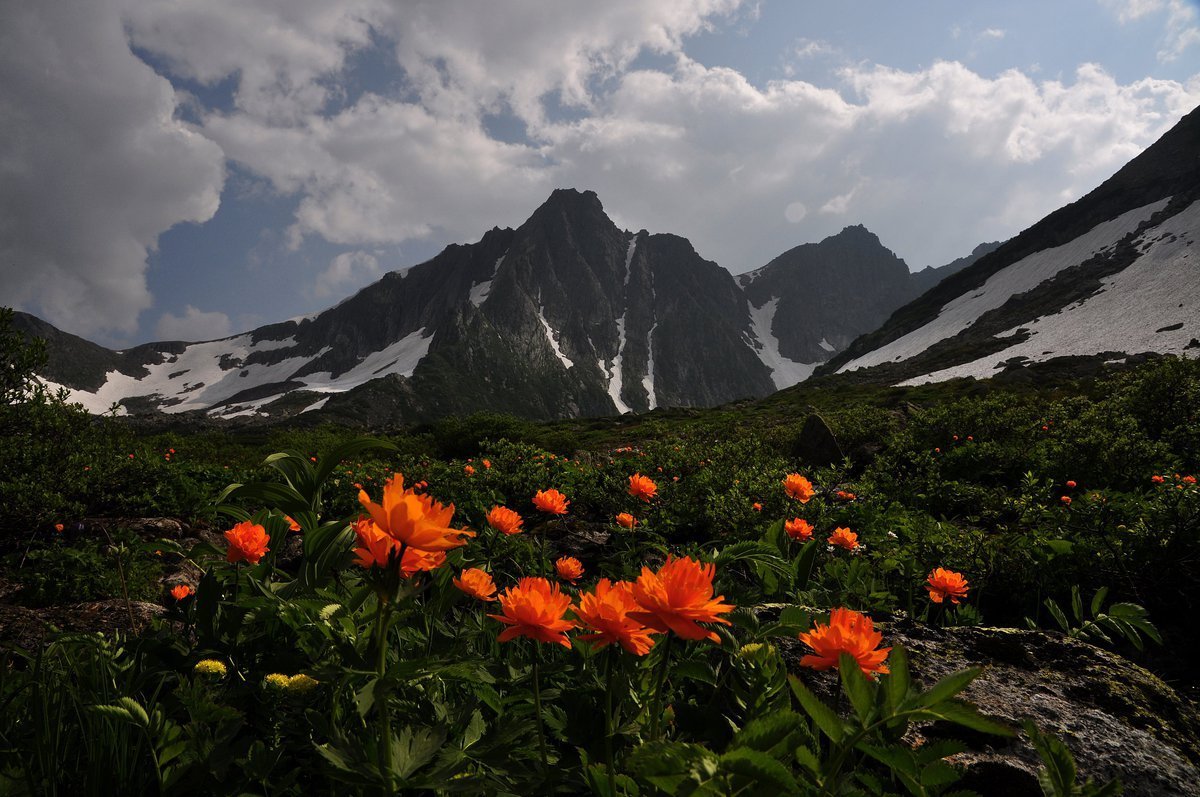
629, 258
551, 336
784, 372
1159, 289
1024, 275
614, 370
648, 379
213, 373
826, 345
316, 405
480, 291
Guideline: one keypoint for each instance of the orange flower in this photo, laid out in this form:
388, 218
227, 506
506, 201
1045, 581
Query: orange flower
503, 519
842, 495
606, 611
487, 463
58, 527
1071, 485
247, 542
798, 487
756, 506
843, 538
469, 470
292, 524
181, 591
374, 546
1157, 479
551, 501
415, 561
678, 596
477, 583
416, 521
847, 632
642, 487
943, 583
1189, 480
534, 608
626, 520
798, 529
1066, 499
569, 568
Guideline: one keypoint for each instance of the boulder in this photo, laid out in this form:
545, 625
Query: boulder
1118, 719
816, 446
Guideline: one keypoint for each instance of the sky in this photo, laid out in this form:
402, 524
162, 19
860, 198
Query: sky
196, 168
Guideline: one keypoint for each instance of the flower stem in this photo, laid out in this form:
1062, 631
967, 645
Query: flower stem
657, 707
537, 708
609, 719
381, 704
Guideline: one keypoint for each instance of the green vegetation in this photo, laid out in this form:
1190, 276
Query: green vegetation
324, 676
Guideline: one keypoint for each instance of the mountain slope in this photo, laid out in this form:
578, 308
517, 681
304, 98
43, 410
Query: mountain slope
1114, 272
565, 316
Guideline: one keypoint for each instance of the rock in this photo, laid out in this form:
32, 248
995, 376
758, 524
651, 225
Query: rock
147, 528
1118, 719
587, 542
28, 629
816, 446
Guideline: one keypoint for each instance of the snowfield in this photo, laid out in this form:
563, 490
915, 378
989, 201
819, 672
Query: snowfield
1133, 312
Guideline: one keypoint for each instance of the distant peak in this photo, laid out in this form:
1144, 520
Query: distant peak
572, 196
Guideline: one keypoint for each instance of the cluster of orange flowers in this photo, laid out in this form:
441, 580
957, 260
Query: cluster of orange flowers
675, 598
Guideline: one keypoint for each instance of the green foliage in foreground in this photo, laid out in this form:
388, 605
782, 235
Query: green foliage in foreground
302, 680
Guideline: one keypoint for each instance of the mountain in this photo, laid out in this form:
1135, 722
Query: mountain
930, 276
1112, 275
565, 316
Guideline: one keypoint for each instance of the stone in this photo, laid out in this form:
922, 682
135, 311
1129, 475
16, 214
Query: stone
816, 446
1118, 719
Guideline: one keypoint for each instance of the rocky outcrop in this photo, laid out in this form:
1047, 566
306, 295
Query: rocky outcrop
1118, 719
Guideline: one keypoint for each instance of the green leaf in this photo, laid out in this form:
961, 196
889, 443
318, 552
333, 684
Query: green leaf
856, 687
965, 715
898, 682
765, 772
1098, 600
1076, 603
768, 732
825, 718
948, 687
1057, 614
412, 750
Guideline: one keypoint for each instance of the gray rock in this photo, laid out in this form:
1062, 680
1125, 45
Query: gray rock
816, 446
1118, 719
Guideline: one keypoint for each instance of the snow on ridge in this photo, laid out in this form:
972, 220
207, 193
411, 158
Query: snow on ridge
648, 379
629, 258
316, 405
196, 380
1020, 277
784, 372
614, 370
1160, 288
480, 291
550, 336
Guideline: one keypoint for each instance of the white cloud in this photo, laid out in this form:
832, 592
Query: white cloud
1181, 30
193, 325
349, 269
93, 166
991, 33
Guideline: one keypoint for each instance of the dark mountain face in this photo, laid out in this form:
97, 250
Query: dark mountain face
829, 292
565, 316
930, 276
1113, 273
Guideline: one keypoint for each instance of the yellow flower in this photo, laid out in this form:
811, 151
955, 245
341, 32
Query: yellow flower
276, 681
212, 668
302, 684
